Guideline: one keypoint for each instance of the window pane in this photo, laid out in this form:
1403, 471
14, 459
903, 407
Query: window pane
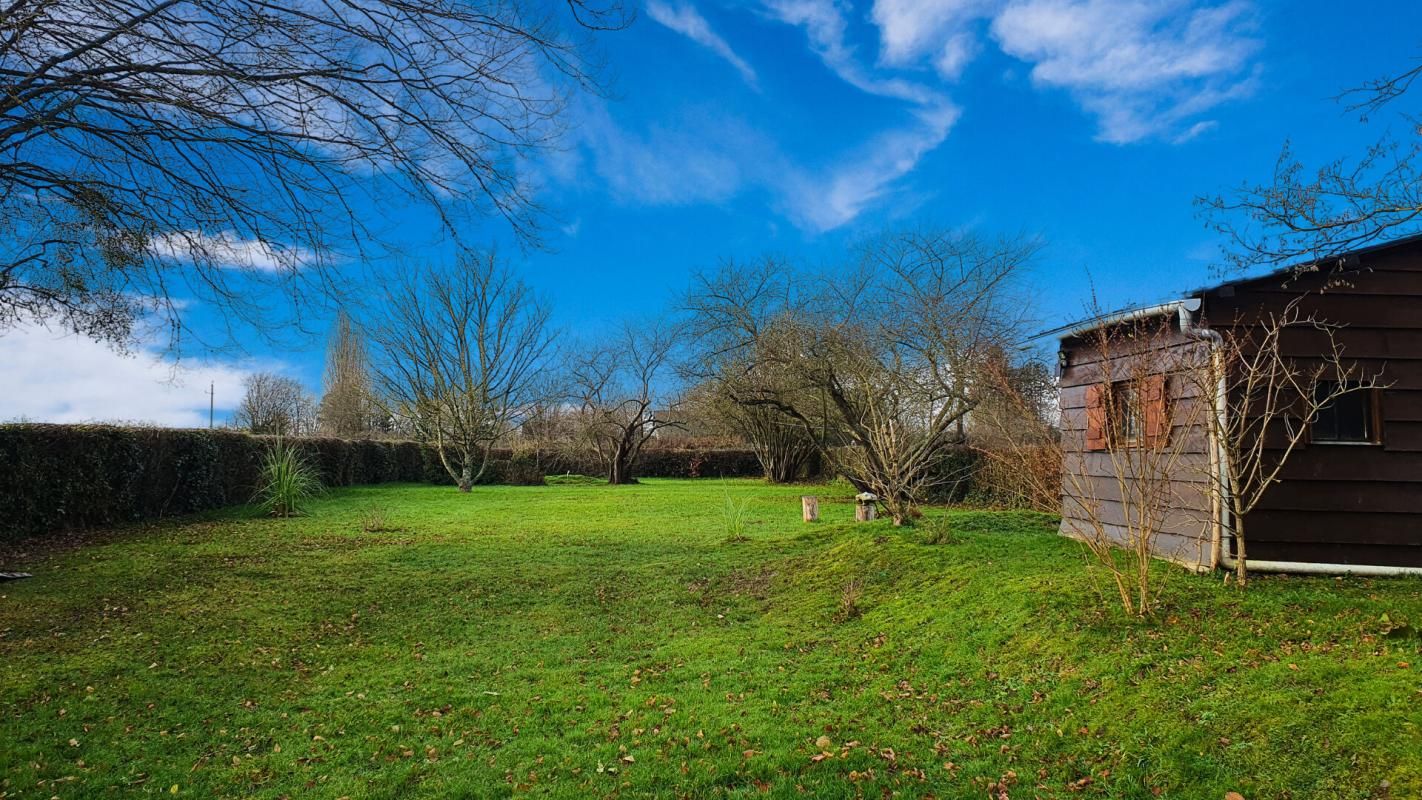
1344, 419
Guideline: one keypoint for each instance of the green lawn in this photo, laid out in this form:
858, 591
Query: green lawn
593, 641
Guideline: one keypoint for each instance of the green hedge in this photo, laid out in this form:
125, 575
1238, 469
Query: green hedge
73, 476
55, 477
661, 463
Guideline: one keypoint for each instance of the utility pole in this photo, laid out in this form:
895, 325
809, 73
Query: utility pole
211, 402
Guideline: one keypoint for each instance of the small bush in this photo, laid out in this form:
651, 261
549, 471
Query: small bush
288, 481
375, 519
936, 530
849, 597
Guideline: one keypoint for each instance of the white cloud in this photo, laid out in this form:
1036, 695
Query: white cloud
227, 249
910, 30
68, 378
829, 201
1143, 68
700, 156
686, 20
827, 30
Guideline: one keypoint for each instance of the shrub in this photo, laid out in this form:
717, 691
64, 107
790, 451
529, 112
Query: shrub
375, 519
733, 517
288, 481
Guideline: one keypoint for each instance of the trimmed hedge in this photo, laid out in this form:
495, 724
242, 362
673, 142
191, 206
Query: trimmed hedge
73, 476
55, 477
661, 463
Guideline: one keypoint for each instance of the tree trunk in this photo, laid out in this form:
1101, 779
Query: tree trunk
619, 470
466, 480
810, 507
1241, 573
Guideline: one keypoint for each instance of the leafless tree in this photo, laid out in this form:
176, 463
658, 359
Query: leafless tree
1270, 399
275, 405
884, 355
623, 392
1015, 432
1120, 490
462, 346
1306, 216
346, 408
161, 150
735, 314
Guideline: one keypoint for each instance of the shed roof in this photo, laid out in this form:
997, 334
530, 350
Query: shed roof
1345, 259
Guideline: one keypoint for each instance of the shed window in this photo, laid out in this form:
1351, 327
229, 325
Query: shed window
1131, 413
1346, 418
1126, 422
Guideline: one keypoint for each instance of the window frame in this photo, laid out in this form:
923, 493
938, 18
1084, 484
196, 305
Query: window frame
1372, 419
1125, 405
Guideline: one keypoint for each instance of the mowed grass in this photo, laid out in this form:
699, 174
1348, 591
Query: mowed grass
593, 641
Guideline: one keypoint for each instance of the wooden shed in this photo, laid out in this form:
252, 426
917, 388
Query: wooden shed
1349, 500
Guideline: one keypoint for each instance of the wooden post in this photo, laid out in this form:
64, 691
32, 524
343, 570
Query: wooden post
865, 505
810, 507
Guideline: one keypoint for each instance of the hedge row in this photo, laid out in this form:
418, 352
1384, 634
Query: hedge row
75, 476
657, 463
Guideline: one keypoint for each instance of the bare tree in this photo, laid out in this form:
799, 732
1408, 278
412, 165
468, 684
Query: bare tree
275, 405
1119, 465
622, 390
736, 313
462, 349
1015, 432
346, 408
884, 356
158, 150
1306, 216
1268, 400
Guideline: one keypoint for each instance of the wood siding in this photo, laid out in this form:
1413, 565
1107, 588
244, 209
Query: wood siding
1348, 503
1093, 477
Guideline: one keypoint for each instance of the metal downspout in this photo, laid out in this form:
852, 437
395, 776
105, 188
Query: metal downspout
1220, 554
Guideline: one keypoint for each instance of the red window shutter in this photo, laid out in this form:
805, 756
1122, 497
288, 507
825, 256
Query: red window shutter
1156, 411
1096, 416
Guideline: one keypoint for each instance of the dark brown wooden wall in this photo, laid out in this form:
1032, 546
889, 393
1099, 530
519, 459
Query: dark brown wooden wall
1348, 503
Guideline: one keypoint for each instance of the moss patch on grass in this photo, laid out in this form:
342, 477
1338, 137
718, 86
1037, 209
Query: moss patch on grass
598, 641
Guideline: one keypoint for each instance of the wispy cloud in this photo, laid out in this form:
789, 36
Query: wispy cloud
683, 18
1141, 67
827, 30
698, 155
912, 30
835, 195
227, 249
828, 201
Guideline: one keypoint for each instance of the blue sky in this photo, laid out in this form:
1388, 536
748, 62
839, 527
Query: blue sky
794, 127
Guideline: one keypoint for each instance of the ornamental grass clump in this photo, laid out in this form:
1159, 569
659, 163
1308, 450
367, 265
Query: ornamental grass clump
288, 481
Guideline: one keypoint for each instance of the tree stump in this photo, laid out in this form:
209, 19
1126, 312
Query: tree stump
810, 507
866, 504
